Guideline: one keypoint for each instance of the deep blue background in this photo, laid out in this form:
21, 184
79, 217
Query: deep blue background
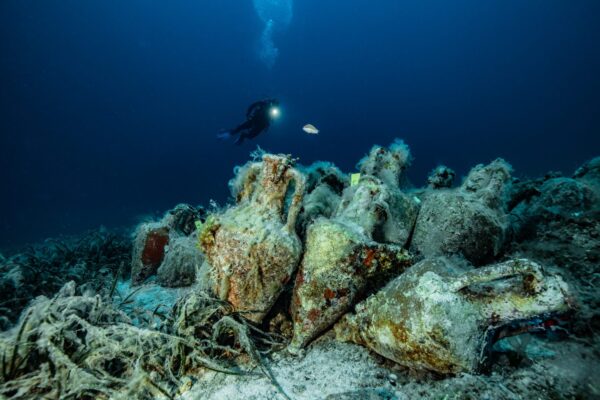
109, 108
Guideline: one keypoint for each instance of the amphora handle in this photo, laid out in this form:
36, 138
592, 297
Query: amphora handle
249, 182
531, 272
296, 204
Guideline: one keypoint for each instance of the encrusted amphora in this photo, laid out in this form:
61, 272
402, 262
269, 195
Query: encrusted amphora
341, 259
436, 317
253, 248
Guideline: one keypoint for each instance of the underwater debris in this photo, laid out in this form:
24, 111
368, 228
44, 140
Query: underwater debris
470, 220
438, 317
253, 248
340, 259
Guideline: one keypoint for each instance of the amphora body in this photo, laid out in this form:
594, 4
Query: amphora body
435, 317
340, 260
252, 247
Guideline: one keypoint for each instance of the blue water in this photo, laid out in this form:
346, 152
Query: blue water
109, 109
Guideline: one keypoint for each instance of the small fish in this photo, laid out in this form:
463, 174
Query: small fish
310, 129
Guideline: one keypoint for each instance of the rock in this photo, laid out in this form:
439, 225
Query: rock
589, 172
563, 196
561, 222
560, 225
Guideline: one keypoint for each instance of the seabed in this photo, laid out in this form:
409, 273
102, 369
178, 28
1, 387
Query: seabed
314, 283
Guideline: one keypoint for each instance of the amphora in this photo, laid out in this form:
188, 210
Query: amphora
436, 317
341, 259
252, 247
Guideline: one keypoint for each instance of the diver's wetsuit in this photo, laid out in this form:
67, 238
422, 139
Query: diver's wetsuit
258, 120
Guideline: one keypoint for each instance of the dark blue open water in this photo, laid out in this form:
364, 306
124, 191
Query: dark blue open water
109, 108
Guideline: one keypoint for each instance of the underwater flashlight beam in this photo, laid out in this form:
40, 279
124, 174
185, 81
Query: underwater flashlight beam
274, 112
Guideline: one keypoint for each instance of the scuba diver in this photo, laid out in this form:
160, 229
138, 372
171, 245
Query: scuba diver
259, 116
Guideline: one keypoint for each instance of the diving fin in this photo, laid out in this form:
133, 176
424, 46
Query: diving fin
224, 135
